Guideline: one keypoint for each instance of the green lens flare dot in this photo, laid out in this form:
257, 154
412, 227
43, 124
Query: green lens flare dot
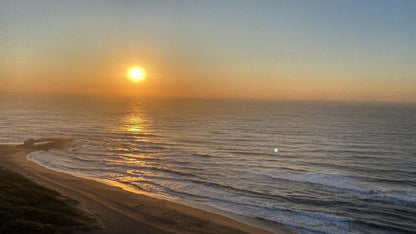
276, 150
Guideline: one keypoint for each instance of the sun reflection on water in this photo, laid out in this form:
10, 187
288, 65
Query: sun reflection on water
134, 123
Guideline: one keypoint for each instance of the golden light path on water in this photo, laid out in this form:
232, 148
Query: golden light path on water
135, 125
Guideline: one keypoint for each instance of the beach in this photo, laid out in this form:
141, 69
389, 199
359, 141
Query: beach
208, 116
121, 211
218, 157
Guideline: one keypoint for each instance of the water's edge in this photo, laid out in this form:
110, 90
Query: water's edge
251, 221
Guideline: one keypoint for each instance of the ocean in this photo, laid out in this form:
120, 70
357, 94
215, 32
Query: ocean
315, 167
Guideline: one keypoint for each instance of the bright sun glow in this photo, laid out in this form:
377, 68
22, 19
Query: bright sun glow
136, 74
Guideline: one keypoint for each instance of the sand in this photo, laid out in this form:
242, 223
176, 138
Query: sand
121, 211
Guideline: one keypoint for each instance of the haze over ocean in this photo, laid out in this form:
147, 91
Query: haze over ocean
300, 113
275, 50
340, 167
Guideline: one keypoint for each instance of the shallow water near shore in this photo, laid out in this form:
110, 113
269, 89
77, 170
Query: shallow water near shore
340, 167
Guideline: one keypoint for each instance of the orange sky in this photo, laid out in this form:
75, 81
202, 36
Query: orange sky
254, 52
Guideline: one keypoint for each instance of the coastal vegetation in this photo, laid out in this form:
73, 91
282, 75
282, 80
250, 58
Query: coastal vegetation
26, 207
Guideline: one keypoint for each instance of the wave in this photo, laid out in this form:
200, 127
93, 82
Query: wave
173, 171
299, 220
97, 133
384, 192
202, 155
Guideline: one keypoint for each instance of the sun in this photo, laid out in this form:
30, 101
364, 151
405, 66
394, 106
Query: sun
136, 74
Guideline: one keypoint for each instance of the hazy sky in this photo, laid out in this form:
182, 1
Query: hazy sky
331, 50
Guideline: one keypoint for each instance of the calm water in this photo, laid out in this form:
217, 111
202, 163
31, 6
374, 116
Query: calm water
340, 167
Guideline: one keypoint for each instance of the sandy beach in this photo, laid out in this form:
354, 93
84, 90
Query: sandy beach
121, 211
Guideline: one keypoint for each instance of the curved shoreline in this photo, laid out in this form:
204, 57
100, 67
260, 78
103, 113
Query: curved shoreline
129, 212
258, 223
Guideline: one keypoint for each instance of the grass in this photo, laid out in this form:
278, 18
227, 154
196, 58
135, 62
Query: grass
26, 207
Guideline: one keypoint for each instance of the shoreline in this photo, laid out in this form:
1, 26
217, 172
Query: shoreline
118, 209
257, 223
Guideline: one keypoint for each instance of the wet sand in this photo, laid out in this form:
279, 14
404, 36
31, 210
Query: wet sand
121, 211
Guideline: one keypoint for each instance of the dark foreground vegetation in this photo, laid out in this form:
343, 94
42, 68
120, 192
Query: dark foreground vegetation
26, 207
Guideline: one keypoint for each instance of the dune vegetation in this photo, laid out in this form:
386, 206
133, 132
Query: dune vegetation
26, 207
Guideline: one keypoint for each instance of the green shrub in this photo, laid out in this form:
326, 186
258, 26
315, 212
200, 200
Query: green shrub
26, 207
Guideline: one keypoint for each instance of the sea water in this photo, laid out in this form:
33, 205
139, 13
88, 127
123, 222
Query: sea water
331, 167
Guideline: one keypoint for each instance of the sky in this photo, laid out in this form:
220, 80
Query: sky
275, 50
